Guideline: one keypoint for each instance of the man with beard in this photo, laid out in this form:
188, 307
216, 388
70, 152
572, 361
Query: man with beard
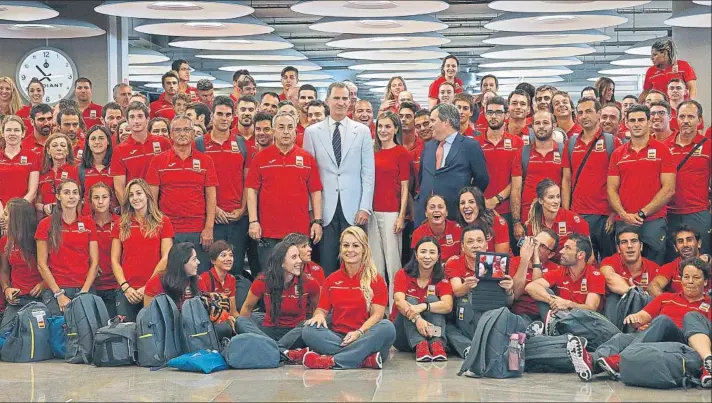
687, 244
269, 102
611, 121
627, 268
532, 164
111, 115
543, 97
562, 108
163, 106
317, 111
122, 94
500, 149
264, 136
516, 123
307, 93
230, 166
41, 115
83, 94
69, 121
183, 181
363, 113
585, 164
641, 182
660, 121
691, 203
246, 108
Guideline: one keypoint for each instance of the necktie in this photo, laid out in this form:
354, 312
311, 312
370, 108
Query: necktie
439, 155
336, 143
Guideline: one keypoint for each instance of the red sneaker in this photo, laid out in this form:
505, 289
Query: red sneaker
313, 360
706, 378
422, 352
296, 356
610, 364
580, 358
438, 351
373, 361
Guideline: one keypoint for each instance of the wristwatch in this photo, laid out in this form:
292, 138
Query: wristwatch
318, 221
58, 293
642, 214
537, 266
500, 199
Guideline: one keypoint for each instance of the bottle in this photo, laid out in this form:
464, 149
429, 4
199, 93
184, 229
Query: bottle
522, 341
513, 352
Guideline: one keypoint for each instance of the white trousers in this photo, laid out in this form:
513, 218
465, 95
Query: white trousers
386, 247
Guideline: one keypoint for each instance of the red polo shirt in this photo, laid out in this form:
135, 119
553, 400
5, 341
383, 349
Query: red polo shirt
105, 280
575, 129
92, 115
182, 184
415, 154
676, 305
15, 174
646, 275
469, 132
392, 167
300, 136
500, 160
92, 176
500, 232
162, 109
409, 286
315, 271
132, 158
435, 87
590, 195
525, 304
540, 167
69, 263
24, 276
566, 223
230, 166
590, 282
154, 286
341, 295
639, 174
691, 195
294, 305
449, 241
456, 267
140, 254
210, 282
50, 180
30, 143
482, 124
268, 176
659, 79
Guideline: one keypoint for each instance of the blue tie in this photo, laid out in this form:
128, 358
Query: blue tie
336, 143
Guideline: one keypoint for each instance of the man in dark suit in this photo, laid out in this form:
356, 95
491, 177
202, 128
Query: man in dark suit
449, 163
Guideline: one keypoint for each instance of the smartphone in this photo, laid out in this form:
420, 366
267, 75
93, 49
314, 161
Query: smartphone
520, 243
437, 331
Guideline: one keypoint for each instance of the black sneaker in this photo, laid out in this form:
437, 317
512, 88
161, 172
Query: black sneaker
580, 358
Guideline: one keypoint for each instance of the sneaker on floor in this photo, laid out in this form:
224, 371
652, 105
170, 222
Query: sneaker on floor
422, 352
313, 360
535, 328
610, 364
706, 378
583, 339
549, 323
580, 358
296, 356
438, 351
373, 361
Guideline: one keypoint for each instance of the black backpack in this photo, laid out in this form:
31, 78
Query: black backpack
198, 330
596, 328
548, 354
158, 332
115, 345
29, 338
84, 315
663, 365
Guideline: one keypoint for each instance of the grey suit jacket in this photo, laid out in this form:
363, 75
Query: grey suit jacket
354, 179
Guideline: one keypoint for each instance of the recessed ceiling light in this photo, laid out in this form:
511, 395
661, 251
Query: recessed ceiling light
174, 5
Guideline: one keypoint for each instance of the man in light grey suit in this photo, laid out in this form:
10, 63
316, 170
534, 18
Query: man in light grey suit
343, 149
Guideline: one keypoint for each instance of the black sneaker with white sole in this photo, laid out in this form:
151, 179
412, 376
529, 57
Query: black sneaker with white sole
580, 358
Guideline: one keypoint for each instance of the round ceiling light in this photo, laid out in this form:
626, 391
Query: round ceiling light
698, 16
564, 61
406, 66
282, 55
404, 74
256, 42
540, 72
350, 41
395, 54
176, 10
219, 84
369, 8
537, 52
643, 48
260, 78
561, 6
544, 22
272, 68
26, 11
395, 25
232, 27
538, 38
53, 28
414, 90
141, 55
157, 68
617, 79
408, 83
278, 84
530, 80
156, 78
623, 71
632, 60
703, 2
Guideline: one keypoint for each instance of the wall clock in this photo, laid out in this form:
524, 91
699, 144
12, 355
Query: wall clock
53, 68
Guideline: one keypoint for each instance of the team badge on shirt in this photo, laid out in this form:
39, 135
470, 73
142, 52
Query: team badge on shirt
577, 219
81, 227
80, 153
196, 165
507, 144
233, 147
431, 290
557, 157
448, 239
644, 279
92, 114
526, 140
705, 307
23, 160
156, 147
64, 175
562, 228
584, 285
300, 161
698, 152
652, 154
599, 145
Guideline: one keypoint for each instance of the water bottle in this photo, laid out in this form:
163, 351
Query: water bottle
522, 341
513, 352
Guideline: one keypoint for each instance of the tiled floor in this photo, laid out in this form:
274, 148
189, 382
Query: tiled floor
401, 380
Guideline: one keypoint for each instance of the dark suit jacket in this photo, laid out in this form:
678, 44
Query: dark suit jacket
465, 165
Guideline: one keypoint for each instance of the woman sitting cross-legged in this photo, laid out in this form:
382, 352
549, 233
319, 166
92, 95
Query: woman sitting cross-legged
289, 296
423, 297
356, 297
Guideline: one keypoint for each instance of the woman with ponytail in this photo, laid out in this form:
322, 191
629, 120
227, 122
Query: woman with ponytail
290, 295
100, 197
67, 248
356, 297
546, 212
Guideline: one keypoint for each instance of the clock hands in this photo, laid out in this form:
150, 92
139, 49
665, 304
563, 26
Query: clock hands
46, 76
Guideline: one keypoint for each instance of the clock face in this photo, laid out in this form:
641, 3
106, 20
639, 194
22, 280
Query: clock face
53, 68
